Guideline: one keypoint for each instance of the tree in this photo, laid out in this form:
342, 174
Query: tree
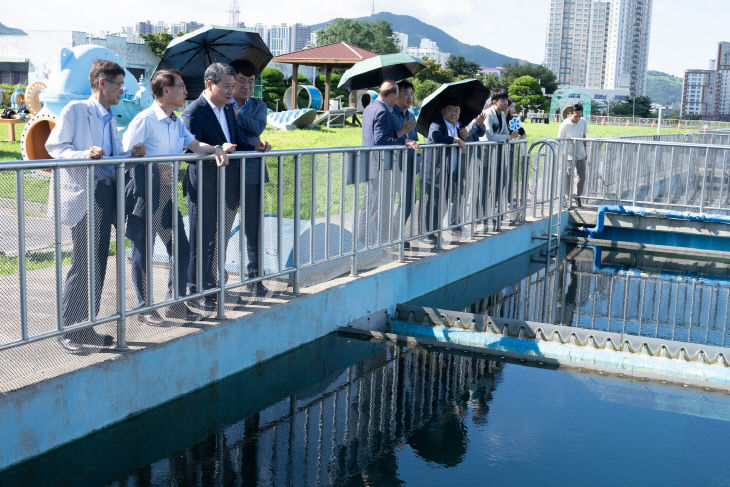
527, 94
273, 87
434, 72
545, 77
373, 36
158, 41
493, 81
422, 89
460, 66
627, 108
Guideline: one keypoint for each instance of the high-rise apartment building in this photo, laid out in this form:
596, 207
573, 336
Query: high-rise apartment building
706, 92
600, 44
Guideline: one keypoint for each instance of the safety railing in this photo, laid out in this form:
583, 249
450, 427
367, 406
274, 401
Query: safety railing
715, 137
675, 176
318, 213
666, 122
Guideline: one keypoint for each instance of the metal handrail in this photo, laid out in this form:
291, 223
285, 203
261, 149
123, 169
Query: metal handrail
486, 184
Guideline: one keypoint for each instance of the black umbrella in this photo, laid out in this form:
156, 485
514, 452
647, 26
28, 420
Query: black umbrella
470, 94
371, 72
196, 50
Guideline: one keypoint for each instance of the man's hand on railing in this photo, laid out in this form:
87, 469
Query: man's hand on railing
139, 150
95, 152
221, 158
462, 144
412, 144
263, 146
463, 133
229, 148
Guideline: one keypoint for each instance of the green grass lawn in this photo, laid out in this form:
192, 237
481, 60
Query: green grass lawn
36, 190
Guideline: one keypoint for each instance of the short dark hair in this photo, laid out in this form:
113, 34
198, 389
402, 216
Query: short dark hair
499, 94
402, 85
245, 67
103, 69
215, 72
162, 78
390, 90
578, 107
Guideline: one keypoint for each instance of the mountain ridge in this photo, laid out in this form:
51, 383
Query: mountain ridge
417, 30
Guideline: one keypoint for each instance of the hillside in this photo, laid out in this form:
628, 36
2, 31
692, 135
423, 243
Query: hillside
664, 88
417, 30
10, 31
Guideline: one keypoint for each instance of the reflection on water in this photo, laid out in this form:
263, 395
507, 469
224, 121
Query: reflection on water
342, 430
353, 413
676, 298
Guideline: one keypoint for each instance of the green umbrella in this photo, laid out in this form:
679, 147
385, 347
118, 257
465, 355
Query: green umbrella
373, 71
469, 93
196, 50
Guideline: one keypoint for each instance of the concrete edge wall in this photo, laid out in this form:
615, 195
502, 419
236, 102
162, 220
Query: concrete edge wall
48, 414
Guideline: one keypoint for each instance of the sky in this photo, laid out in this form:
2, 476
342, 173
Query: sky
684, 35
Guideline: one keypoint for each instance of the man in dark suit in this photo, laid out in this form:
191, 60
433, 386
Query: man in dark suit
447, 130
211, 120
251, 117
378, 129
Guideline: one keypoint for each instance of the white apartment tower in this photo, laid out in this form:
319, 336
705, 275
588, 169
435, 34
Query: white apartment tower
599, 44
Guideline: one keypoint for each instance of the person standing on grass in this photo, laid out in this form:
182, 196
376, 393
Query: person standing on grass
575, 127
86, 130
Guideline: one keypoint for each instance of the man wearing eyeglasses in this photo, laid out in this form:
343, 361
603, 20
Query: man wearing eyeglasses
163, 133
86, 130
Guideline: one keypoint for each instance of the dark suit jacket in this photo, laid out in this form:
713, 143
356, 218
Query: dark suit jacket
203, 124
438, 133
251, 122
377, 129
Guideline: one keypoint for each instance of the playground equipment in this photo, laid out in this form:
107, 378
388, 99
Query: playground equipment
69, 83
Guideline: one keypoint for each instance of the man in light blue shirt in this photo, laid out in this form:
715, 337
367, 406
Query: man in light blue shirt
163, 133
86, 130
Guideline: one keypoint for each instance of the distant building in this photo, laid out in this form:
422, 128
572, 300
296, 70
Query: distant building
279, 39
601, 44
428, 50
487, 71
145, 27
33, 57
706, 92
183, 27
401, 41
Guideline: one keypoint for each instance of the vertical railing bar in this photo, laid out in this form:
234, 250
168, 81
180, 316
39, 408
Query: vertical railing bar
327, 208
199, 234
91, 254
221, 243
59, 246
22, 271
279, 210
355, 220
121, 278
704, 180
242, 243
297, 209
175, 229
342, 206
313, 208
149, 232
404, 155
261, 215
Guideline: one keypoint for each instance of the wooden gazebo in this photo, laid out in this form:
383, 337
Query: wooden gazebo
337, 55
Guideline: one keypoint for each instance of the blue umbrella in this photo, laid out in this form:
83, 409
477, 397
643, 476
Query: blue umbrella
193, 52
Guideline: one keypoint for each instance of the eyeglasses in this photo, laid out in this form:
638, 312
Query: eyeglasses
118, 83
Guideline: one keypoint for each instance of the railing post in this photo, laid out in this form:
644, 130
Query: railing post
20, 196
221, 315
355, 219
297, 210
121, 279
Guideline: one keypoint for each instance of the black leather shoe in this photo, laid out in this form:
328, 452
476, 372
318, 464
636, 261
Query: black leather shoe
204, 304
406, 246
180, 311
257, 289
69, 345
151, 318
578, 202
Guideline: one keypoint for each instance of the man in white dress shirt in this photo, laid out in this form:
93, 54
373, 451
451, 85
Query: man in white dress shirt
575, 127
86, 130
163, 133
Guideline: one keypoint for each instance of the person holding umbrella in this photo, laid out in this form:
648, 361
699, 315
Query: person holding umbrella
405, 125
448, 130
378, 130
